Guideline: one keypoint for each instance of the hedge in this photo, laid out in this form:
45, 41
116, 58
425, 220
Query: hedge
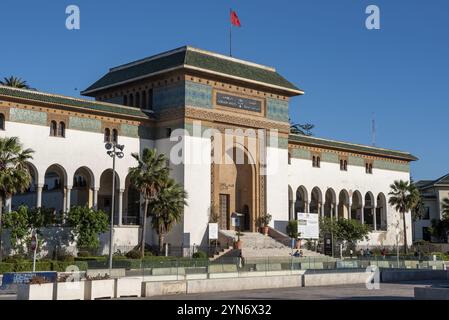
6, 267
27, 266
61, 266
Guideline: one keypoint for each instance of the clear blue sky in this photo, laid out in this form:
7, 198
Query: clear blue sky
400, 73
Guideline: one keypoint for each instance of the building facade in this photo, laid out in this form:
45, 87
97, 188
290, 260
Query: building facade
224, 124
432, 192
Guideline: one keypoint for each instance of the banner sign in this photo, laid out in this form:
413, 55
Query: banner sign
14, 278
308, 225
227, 100
213, 231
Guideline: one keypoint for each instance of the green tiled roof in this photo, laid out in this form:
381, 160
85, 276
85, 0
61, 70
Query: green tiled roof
69, 101
358, 148
194, 58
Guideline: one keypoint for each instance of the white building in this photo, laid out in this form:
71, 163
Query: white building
433, 192
244, 105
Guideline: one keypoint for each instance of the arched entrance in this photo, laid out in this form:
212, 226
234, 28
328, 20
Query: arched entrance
237, 192
82, 189
54, 195
301, 201
329, 204
357, 206
343, 205
105, 194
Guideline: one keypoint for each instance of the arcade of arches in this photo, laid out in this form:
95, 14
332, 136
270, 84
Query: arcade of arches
59, 194
367, 208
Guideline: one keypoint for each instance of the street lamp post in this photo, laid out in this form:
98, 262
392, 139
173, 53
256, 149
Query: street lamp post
114, 149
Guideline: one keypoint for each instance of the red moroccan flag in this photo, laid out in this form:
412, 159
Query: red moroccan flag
235, 19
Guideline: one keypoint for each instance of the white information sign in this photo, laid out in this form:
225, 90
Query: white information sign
308, 225
213, 231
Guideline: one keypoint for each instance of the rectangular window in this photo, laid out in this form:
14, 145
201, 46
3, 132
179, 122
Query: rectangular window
343, 164
368, 167
316, 160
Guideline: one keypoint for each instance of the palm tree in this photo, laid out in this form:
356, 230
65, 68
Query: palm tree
404, 196
14, 173
15, 82
148, 177
445, 207
168, 208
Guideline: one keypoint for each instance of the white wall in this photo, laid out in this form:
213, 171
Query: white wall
277, 189
329, 175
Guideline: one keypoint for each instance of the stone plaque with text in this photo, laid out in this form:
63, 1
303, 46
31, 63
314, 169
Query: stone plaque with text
227, 100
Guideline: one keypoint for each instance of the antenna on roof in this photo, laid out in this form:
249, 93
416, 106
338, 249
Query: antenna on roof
373, 130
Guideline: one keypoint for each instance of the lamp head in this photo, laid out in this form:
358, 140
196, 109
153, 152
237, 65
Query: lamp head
108, 146
120, 155
120, 147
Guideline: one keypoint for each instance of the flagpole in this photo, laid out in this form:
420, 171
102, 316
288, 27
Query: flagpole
230, 32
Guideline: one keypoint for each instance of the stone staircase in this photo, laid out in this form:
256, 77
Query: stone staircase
257, 245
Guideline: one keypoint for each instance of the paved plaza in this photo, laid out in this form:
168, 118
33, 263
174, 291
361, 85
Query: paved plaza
387, 291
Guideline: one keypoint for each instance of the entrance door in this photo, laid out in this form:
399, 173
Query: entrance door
246, 219
224, 211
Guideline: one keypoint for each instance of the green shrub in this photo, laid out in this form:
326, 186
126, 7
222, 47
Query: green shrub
199, 255
61, 266
6, 267
90, 258
133, 254
83, 254
28, 266
148, 254
63, 255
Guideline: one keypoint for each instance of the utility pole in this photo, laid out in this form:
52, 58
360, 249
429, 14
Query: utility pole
113, 153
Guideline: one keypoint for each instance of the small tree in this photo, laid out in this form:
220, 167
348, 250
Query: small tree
22, 222
167, 208
351, 231
292, 229
87, 224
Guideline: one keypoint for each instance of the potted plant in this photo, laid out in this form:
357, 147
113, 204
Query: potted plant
69, 287
238, 243
38, 288
97, 287
292, 232
264, 221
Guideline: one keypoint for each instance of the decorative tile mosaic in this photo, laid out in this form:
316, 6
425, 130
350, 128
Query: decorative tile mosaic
28, 116
84, 124
388, 165
277, 110
168, 97
198, 95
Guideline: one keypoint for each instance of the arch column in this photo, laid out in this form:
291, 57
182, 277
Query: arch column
120, 206
95, 197
374, 213
39, 189
349, 209
362, 216
8, 204
67, 193
334, 212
